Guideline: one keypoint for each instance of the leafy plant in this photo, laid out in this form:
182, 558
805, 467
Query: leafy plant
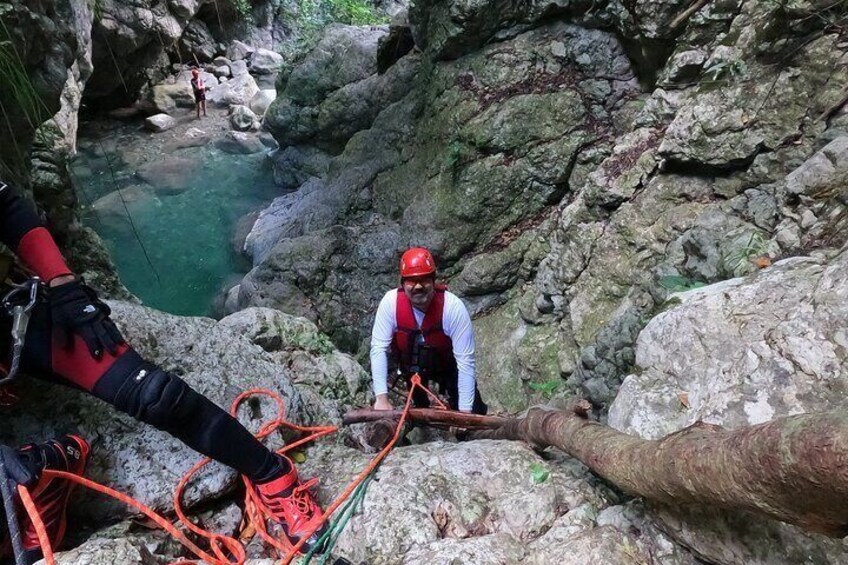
316, 343
19, 99
738, 261
539, 473
679, 283
547, 388
726, 69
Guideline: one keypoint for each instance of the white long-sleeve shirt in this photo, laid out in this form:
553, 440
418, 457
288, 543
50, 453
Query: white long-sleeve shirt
456, 324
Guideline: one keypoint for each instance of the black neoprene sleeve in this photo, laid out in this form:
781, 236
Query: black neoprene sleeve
17, 216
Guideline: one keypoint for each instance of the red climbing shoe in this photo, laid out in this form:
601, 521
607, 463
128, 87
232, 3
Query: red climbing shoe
289, 504
50, 495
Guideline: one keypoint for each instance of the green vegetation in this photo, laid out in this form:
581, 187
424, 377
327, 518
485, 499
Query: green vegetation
678, 283
726, 70
738, 262
538, 473
307, 18
315, 343
547, 388
19, 100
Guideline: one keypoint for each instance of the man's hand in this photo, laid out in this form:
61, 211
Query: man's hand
77, 310
382, 402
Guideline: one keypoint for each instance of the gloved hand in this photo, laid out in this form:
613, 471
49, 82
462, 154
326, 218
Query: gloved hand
77, 310
22, 467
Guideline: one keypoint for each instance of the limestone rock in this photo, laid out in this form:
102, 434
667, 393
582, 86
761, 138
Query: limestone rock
166, 98
261, 100
168, 176
466, 498
107, 552
293, 166
335, 92
239, 50
239, 143
243, 119
826, 171
265, 62
743, 352
197, 42
238, 90
159, 123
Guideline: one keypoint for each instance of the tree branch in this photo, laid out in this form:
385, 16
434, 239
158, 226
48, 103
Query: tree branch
793, 469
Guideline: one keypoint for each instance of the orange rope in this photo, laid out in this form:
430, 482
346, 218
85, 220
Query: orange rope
222, 545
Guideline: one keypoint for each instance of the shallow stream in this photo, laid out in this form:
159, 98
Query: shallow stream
171, 239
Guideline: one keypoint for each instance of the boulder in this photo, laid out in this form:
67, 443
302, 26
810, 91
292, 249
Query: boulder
261, 100
243, 119
823, 173
739, 353
238, 90
165, 98
169, 176
265, 62
112, 209
344, 55
238, 68
159, 123
239, 50
239, 143
193, 137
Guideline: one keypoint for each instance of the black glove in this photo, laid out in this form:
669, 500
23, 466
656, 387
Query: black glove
76, 308
23, 467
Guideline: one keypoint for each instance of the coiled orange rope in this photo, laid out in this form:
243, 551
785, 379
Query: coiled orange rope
228, 550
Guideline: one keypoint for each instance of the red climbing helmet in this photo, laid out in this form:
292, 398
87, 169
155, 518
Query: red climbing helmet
417, 262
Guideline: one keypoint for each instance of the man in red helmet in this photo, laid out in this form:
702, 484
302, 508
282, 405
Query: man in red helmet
71, 338
199, 89
428, 331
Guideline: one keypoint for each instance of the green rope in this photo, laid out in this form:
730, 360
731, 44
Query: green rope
337, 526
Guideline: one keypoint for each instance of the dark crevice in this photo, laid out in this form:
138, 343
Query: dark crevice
700, 169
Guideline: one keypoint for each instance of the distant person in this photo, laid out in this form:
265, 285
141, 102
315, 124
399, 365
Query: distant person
71, 338
199, 88
428, 331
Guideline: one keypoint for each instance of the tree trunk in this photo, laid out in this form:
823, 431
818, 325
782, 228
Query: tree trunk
793, 469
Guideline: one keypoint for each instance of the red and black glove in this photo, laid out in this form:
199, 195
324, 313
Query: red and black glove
76, 309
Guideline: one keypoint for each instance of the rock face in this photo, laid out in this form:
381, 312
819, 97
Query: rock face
477, 502
562, 201
335, 92
445, 166
738, 353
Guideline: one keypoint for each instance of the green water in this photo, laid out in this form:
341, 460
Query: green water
187, 236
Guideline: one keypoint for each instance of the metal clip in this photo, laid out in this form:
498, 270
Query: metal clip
19, 302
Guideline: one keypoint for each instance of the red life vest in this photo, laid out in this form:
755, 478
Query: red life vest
434, 357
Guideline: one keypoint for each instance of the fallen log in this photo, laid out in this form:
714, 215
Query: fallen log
793, 469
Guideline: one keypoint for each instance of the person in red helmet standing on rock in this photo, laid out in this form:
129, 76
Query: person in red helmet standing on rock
71, 338
199, 88
427, 330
